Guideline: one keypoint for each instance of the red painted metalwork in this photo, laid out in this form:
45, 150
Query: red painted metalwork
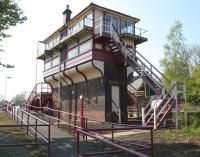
87, 130
81, 111
121, 149
25, 123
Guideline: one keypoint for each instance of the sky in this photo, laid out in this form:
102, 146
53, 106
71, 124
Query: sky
45, 16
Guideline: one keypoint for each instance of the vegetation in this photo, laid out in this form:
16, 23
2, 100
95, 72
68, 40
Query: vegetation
20, 99
17, 135
181, 63
10, 15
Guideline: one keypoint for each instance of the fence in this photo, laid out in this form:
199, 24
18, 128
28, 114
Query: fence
115, 148
95, 129
32, 125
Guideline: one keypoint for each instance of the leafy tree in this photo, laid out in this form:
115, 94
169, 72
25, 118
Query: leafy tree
193, 84
10, 15
19, 99
176, 63
182, 63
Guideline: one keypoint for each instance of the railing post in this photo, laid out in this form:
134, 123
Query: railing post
142, 69
35, 130
155, 118
14, 113
17, 116
143, 116
27, 124
78, 144
22, 117
58, 116
86, 125
81, 112
152, 142
176, 107
49, 140
163, 90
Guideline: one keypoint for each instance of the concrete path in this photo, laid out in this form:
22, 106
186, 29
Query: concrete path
63, 144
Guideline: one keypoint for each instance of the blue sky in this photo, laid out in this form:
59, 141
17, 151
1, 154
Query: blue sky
45, 16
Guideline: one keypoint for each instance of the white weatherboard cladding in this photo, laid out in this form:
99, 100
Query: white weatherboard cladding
84, 38
87, 69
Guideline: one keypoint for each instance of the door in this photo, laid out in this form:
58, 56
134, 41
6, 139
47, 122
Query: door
116, 102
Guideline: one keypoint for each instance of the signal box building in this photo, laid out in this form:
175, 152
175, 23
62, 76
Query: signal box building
88, 56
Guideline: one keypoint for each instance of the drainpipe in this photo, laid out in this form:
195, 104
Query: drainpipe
59, 81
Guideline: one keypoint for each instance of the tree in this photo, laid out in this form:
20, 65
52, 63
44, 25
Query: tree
20, 99
181, 63
176, 63
10, 15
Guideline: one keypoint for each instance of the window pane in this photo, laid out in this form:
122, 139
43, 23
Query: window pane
88, 20
47, 65
55, 61
129, 27
86, 46
107, 21
123, 26
73, 53
115, 23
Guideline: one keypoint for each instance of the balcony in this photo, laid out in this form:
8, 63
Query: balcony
82, 27
127, 30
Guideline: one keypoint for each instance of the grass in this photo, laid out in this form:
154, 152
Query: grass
177, 143
16, 135
171, 143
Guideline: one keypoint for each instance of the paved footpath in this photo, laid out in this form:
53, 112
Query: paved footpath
63, 144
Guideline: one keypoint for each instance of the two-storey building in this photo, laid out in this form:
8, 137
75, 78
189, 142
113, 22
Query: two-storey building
83, 57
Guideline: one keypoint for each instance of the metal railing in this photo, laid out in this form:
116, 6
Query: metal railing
89, 126
31, 124
133, 148
101, 26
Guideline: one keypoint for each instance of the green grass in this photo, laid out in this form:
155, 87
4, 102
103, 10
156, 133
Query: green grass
177, 143
171, 143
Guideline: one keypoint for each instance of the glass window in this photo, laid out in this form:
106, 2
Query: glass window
55, 61
123, 26
127, 27
115, 23
85, 46
107, 21
73, 53
47, 65
88, 20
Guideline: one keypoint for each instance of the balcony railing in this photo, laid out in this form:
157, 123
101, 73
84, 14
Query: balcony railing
101, 26
78, 27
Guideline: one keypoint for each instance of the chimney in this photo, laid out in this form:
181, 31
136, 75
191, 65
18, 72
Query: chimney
66, 15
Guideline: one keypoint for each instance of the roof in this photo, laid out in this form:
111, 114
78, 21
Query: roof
91, 5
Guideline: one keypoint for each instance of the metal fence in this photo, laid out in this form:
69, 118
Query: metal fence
104, 132
31, 124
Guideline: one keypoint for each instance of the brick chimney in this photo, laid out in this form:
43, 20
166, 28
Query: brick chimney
66, 15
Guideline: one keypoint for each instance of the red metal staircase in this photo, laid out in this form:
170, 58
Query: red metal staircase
41, 95
160, 106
